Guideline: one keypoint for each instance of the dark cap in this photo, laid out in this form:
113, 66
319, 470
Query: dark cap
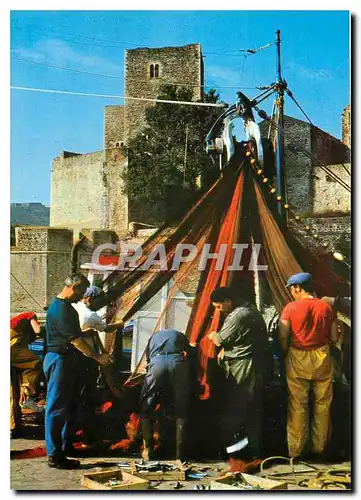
299, 279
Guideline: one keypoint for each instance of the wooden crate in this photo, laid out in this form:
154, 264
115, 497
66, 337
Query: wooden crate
178, 474
98, 480
225, 482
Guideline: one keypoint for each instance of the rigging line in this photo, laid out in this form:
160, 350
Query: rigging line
310, 155
15, 278
304, 113
66, 92
334, 176
326, 169
298, 105
126, 78
347, 170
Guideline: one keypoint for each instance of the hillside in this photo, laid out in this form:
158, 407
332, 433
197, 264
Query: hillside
29, 214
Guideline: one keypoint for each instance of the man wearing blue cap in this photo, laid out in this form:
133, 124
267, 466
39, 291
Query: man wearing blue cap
91, 324
307, 326
88, 318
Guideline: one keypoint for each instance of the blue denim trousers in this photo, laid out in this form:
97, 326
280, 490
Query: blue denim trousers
167, 377
60, 372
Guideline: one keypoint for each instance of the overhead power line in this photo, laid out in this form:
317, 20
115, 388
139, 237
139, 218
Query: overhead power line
66, 92
113, 43
122, 78
254, 51
66, 69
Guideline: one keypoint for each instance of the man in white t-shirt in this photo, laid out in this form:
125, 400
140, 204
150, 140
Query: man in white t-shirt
91, 323
88, 318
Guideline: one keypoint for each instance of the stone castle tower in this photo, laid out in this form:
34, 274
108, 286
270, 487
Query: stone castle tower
87, 189
145, 71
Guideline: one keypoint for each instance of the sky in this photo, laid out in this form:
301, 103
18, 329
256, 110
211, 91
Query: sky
315, 62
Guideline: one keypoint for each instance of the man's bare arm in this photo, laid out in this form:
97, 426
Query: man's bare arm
212, 337
35, 326
284, 332
114, 326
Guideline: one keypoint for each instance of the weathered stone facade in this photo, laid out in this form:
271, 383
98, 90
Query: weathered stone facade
176, 65
306, 148
346, 126
329, 197
86, 191
113, 127
40, 261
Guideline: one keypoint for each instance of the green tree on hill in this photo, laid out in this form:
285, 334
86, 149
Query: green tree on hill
167, 159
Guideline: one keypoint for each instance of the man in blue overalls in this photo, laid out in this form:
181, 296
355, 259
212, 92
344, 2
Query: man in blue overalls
63, 338
167, 373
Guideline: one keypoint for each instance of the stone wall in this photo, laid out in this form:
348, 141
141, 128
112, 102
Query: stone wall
306, 147
117, 201
113, 126
346, 126
336, 231
298, 166
40, 261
77, 191
176, 65
86, 191
329, 197
326, 149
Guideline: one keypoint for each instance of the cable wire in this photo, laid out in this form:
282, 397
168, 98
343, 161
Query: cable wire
210, 85
51, 91
15, 278
114, 43
334, 176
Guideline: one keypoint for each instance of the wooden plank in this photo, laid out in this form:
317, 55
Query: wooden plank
178, 474
225, 482
99, 480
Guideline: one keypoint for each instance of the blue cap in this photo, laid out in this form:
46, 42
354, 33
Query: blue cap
299, 279
92, 291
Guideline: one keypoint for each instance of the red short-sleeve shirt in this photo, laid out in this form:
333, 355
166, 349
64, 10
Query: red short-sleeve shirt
311, 321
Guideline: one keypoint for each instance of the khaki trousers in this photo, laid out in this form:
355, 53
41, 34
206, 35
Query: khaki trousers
307, 370
27, 367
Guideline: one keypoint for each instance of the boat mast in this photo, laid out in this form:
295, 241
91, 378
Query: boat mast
281, 85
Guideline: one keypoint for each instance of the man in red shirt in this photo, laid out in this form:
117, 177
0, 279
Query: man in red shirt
307, 326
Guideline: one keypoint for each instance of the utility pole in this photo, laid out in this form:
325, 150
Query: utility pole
280, 156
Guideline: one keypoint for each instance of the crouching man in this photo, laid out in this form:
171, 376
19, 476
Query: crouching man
168, 377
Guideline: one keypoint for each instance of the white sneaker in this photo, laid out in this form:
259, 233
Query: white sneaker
29, 404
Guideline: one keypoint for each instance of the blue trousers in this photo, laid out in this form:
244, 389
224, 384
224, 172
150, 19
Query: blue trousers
167, 377
60, 372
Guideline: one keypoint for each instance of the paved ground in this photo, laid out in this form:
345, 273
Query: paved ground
34, 474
